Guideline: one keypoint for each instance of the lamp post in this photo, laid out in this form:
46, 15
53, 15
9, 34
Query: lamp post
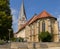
9, 38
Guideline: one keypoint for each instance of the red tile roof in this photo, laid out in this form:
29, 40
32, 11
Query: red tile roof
33, 18
43, 14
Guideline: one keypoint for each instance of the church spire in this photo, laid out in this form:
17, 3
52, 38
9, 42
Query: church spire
22, 16
22, 11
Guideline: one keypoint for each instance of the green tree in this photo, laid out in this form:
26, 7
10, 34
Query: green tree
5, 20
45, 37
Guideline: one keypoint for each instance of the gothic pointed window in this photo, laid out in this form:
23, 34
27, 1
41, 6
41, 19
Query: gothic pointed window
43, 26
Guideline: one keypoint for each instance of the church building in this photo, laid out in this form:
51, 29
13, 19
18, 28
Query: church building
29, 30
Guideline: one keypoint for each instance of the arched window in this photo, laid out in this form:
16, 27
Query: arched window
43, 26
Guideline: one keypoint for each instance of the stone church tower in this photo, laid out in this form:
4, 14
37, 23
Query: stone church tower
22, 16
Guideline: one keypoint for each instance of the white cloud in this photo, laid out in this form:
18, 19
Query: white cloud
14, 13
58, 19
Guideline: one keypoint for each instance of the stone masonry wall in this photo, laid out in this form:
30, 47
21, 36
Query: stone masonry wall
30, 45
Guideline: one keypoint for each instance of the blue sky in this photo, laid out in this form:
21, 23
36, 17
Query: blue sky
32, 7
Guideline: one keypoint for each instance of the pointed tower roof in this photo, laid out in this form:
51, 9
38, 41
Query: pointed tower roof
22, 11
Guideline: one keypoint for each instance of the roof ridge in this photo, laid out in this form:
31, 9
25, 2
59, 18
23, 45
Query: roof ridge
44, 14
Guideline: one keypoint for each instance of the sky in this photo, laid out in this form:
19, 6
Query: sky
32, 7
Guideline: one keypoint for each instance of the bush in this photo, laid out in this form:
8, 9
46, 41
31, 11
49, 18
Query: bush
2, 42
21, 39
14, 39
45, 37
17, 39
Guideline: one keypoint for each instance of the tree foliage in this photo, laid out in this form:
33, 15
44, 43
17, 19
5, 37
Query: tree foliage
45, 37
5, 20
